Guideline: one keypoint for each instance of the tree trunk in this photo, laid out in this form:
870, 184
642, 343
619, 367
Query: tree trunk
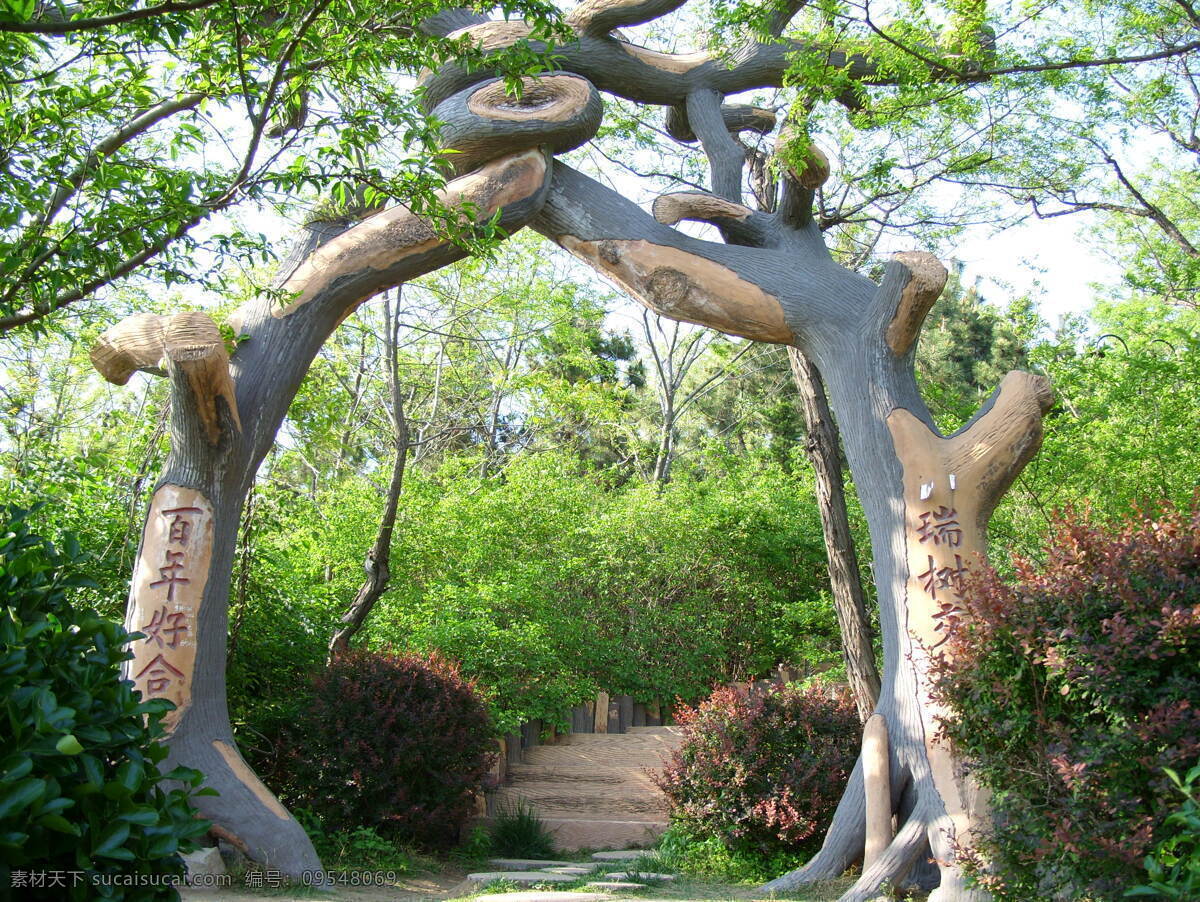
666, 444
849, 600
912, 482
180, 592
379, 557
927, 498
225, 415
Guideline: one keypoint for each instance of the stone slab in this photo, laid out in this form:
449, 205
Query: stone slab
573, 871
526, 877
642, 875
573, 833
204, 862
615, 885
528, 864
621, 855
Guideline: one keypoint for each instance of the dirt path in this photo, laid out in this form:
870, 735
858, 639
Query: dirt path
425, 885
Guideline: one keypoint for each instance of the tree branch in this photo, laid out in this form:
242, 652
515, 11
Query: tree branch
1153, 211
599, 17
784, 12
753, 292
670, 209
382, 250
725, 156
1165, 53
56, 22
641, 75
188, 345
926, 279
739, 117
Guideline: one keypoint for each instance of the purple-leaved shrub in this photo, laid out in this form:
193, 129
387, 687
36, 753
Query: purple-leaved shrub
399, 743
1071, 690
762, 772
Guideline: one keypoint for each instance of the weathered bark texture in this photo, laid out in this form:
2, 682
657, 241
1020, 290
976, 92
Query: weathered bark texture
225, 415
849, 600
877, 789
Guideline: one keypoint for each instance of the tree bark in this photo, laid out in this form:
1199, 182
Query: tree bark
927, 498
774, 280
849, 599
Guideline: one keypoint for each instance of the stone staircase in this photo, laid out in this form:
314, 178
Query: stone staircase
593, 790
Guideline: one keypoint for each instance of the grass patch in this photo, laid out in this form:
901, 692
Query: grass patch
517, 832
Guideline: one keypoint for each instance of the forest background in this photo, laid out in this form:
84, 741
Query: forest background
596, 498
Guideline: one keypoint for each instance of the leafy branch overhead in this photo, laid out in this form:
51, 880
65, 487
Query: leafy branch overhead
217, 104
128, 130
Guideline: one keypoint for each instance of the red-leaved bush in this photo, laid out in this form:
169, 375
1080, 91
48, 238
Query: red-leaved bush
1070, 693
399, 743
762, 772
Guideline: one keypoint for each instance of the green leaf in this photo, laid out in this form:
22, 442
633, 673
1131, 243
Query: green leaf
111, 840
21, 796
58, 823
162, 847
68, 745
144, 817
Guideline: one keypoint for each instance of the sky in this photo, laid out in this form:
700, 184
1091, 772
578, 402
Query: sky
1042, 258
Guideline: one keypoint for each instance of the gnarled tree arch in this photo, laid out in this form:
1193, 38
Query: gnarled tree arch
927, 498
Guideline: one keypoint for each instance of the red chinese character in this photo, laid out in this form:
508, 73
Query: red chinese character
943, 577
158, 675
942, 526
162, 623
180, 528
169, 574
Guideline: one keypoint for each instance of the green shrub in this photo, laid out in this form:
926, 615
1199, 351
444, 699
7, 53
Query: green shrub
708, 858
1174, 865
517, 832
761, 772
400, 744
359, 849
1071, 692
80, 791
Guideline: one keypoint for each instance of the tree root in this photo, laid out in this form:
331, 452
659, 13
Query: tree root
843, 843
245, 812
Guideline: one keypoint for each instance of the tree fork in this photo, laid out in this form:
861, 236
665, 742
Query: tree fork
860, 337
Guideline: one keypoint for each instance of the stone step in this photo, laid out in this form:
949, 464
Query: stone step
654, 731
621, 855
560, 798
630, 740
529, 878
581, 775
527, 864
627, 875
592, 757
614, 885
594, 790
574, 833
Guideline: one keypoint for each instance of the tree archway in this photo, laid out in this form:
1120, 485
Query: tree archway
927, 497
